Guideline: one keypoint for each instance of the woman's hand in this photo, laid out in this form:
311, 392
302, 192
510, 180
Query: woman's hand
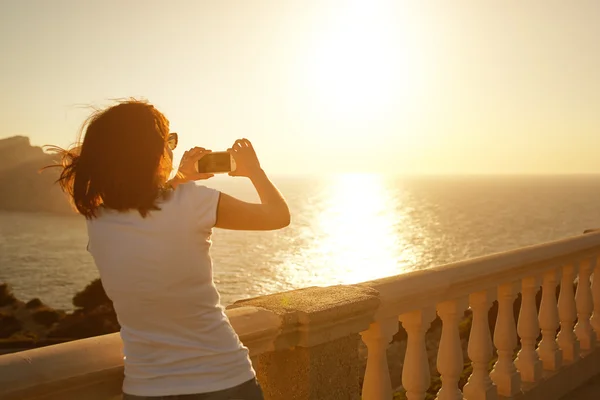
272, 212
246, 161
187, 167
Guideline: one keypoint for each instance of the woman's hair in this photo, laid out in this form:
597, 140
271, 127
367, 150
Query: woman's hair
122, 162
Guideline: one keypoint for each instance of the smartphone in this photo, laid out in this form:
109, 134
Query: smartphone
219, 162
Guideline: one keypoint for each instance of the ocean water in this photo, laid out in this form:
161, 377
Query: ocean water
345, 229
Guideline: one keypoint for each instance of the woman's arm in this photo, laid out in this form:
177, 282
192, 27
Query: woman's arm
272, 212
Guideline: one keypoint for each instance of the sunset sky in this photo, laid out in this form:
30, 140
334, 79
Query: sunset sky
321, 86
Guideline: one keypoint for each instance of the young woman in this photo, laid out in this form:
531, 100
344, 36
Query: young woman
150, 239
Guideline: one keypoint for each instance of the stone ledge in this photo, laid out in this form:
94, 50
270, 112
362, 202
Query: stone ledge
256, 327
316, 315
48, 372
424, 288
93, 368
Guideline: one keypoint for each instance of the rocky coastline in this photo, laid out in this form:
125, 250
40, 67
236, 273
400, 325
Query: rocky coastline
34, 324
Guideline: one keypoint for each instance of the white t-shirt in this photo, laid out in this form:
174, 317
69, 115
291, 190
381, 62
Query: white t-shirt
158, 273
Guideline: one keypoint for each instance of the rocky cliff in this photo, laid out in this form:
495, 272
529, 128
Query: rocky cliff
22, 186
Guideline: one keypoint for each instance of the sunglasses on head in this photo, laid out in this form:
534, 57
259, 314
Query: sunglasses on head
172, 140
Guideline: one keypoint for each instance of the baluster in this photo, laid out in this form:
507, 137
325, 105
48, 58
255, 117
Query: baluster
585, 306
596, 298
548, 350
450, 355
528, 327
504, 374
479, 385
415, 372
377, 384
567, 313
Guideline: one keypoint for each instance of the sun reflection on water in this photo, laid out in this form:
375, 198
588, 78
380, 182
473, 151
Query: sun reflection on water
354, 236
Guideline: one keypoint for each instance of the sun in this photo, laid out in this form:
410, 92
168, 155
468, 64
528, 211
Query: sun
361, 64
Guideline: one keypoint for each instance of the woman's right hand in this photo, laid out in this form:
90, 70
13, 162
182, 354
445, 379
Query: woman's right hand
246, 160
187, 167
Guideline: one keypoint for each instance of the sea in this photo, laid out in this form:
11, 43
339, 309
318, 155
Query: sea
345, 229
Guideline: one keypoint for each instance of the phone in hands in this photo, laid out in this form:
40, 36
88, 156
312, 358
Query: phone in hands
220, 162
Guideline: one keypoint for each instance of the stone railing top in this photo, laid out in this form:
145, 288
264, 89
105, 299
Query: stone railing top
423, 288
315, 315
50, 369
256, 327
85, 362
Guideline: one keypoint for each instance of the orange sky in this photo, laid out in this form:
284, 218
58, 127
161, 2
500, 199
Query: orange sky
377, 86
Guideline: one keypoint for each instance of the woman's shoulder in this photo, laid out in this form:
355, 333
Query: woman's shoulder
193, 189
199, 200
195, 194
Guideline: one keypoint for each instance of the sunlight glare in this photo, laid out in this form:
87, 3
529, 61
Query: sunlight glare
360, 241
361, 64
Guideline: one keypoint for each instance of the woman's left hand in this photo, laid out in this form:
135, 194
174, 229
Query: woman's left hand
187, 167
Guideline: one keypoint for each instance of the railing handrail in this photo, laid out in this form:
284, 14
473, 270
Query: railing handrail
423, 288
88, 361
47, 369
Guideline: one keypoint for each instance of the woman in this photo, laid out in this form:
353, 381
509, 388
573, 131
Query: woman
150, 239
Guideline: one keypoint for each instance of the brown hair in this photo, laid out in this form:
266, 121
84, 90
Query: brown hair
122, 162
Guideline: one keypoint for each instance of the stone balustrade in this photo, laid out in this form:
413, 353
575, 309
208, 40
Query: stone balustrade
547, 369
304, 344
